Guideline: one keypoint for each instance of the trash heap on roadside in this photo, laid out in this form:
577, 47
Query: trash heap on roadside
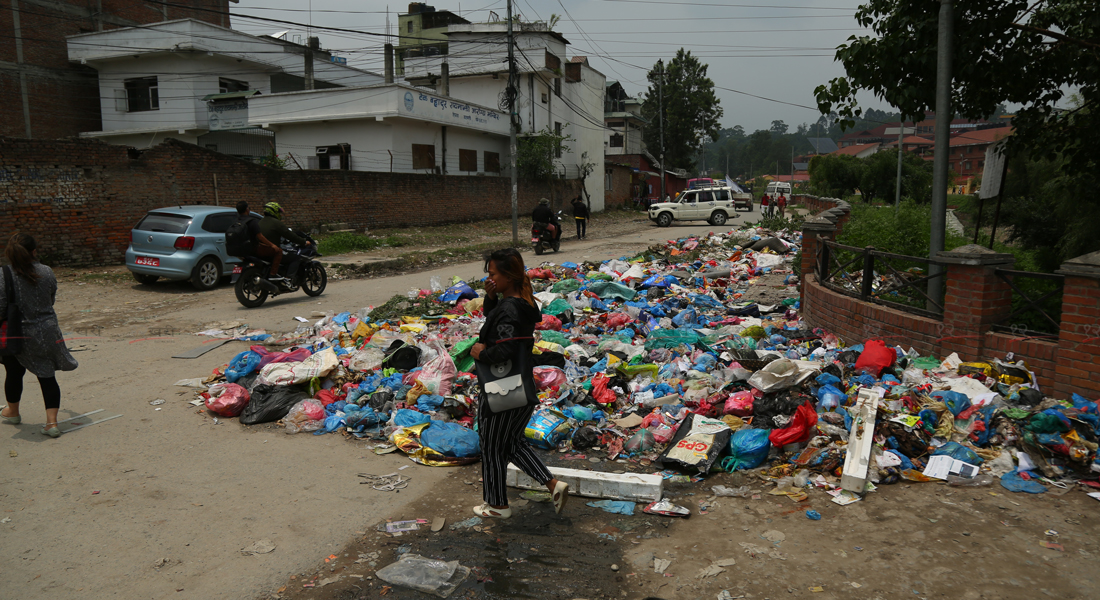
661, 362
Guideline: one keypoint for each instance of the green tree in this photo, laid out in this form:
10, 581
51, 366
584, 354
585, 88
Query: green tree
691, 110
1022, 51
779, 127
536, 153
880, 177
835, 175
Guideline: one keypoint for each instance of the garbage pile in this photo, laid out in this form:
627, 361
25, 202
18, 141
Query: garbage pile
663, 363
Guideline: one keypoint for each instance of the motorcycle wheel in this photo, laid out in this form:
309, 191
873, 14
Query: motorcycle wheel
538, 249
314, 279
248, 291
557, 245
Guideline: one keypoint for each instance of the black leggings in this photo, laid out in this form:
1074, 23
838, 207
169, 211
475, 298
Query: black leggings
13, 384
582, 225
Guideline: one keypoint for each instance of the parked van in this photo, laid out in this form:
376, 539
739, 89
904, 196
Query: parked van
778, 187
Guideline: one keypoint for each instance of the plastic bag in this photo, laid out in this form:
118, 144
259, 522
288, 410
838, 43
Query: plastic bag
548, 322
268, 357
451, 439
958, 452
799, 430
439, 373
642, 441
557, 307
242, 364
610, 289
270, 403
697, 443
424, 574
748, 449
875, 357
585, 437
227, 399
546, 429
829, 397
955, 401
459, 291
1014, 483
408, 418
776, 375
547, 377
739, 404
317, 365
368, 358
307, 415
670, 338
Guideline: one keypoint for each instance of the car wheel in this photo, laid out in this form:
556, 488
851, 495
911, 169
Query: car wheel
146, 279
315, 280
664, 220
718, 219
206, 274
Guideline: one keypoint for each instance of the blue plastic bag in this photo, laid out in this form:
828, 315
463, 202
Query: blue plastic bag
242, 364
829, 397
685, 318
956, 402
1083, 404
748, 449
1014, 483
958, 452
618, 507
580, 413
429, 402
906, 464
359, 418
660, 281
333, 422
451, 439
457, 292
407, 418
827, 379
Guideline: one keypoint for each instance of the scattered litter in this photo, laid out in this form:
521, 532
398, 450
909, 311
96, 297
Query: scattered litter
386, 483
660, 564
425, 574
157, 402
259, 547
468, 523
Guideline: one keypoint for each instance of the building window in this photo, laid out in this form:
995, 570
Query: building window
492, 162
557, 87
467, 160
409, 26
141, 94
617, 140
557, 132
334, 157
226, 86
967, 167
423, 156
607, 180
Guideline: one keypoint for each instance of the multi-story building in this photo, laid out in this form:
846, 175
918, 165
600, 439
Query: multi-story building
625, 123
44, 94
423, 32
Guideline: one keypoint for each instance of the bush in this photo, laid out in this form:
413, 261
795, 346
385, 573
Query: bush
904, 231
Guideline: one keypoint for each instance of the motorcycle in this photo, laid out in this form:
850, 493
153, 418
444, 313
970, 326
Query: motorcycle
544, 239
253, 288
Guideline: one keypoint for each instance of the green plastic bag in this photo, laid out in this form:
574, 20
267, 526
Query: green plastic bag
926, 363
460, 353
610, 289
633, 371
756, 332
565, 286
670, 338
594, 275
555, 337
1016, 413
557, 307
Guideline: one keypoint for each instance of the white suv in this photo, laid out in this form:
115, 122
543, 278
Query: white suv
711, 204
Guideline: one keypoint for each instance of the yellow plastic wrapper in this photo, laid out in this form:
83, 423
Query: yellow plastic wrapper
967, 368
1011, 374
550, 347
408, 319
407, 440
474, 305
734, 422
633, 371
363, 330
414, 327
756, 332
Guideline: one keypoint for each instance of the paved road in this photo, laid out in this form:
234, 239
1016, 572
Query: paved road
92, 511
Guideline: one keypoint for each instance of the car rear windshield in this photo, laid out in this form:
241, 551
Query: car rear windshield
164, 222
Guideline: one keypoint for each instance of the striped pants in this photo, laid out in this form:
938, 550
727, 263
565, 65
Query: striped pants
503, 441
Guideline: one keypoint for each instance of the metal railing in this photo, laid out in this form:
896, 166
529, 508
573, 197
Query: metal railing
884, 278
1036, 303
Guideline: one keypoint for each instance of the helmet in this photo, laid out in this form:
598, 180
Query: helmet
544, 201
273, 209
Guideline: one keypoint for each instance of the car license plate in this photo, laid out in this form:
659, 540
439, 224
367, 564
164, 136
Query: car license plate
147, 261
237, 269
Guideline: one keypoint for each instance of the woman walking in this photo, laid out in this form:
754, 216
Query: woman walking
33, 288
508, 333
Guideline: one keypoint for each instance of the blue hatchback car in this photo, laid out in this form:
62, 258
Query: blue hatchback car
182, 242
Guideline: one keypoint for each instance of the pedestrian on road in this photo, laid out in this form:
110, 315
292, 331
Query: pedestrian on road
580, 215
764, 203
32, 286
781, 204
510, 318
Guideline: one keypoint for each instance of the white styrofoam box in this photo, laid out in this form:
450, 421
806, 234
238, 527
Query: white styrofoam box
613, 486
860, 442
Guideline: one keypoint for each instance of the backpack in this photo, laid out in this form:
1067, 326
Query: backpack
237, 240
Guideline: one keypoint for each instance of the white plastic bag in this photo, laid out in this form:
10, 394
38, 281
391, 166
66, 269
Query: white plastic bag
424, 574
776, 375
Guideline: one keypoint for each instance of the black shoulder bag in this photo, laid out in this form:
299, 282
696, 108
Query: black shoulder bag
505, 384
11, 330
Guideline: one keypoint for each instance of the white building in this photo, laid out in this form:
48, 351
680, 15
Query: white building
555, 93
624, 120
186, 78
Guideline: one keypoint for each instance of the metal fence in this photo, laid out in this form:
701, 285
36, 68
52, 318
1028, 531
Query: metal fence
1036, 303
893, 280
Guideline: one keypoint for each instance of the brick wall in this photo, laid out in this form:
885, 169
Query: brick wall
63, 98
80, 198
622, 187
975, 299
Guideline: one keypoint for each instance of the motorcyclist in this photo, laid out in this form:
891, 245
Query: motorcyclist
542, 214
273, 228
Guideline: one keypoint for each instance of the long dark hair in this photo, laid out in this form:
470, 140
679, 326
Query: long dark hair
510, 264
20, 254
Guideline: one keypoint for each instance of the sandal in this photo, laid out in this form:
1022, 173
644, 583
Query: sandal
561, 494
484, 510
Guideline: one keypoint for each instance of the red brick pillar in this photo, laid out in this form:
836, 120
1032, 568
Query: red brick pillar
1077, 365
813, 231
975, 299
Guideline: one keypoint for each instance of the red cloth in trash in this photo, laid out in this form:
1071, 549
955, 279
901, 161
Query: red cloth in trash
548, 322
799, 430
875, 357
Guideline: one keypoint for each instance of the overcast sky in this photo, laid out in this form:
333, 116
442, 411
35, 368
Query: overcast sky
779, 51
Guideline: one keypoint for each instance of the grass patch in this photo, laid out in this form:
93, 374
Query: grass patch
345, 242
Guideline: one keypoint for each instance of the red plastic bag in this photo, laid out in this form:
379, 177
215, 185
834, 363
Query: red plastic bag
267, 357
617, 320
549, 322
739, 404
875, 357
599, 392
799, 430
326, 397
547, 377
227, 399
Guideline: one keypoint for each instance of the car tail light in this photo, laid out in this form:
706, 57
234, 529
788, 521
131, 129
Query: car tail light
185, 242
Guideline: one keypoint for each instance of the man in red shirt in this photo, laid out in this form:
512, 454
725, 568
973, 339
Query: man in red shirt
764, 205
782, 204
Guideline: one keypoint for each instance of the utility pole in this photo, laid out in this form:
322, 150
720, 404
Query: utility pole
661, 113
901, 148
511, 93
943, 134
